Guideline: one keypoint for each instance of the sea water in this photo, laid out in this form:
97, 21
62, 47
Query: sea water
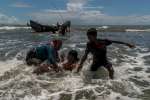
132, 68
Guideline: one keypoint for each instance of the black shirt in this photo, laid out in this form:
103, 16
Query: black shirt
98, 50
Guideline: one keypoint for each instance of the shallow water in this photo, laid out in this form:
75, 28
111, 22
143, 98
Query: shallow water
132, 71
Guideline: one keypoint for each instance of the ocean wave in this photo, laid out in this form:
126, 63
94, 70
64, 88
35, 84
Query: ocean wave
18, 82
103, 27
7, 65
12, 27
137, 30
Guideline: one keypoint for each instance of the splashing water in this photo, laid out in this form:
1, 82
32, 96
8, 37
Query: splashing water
132, 79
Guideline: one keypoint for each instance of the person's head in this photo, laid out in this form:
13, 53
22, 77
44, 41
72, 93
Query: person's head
92, 34
57, 44
72, 56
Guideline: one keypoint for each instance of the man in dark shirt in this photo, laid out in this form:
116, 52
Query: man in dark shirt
98, 48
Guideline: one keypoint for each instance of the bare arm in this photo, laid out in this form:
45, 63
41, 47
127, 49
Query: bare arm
82, 61
55, 67
127, 44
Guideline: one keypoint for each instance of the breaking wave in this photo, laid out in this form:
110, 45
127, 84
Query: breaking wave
137, 30
12, 28
18, 82
132, 79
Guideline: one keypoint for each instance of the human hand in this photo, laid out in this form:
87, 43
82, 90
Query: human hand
130, 45
62, 57
58, 69
79, 68
41, 70
44, 65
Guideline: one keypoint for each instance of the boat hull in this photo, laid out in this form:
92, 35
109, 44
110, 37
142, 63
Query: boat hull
42, 28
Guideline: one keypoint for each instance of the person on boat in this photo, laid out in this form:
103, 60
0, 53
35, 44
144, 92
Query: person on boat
47, 52
58, 25
65, 27
98, 48
67, 65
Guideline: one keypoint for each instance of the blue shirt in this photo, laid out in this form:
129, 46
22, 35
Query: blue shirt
46, 52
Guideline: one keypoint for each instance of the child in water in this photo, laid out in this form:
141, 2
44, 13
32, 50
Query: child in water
71, 62
68, 65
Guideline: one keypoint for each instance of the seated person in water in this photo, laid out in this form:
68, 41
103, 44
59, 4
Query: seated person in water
98, 48
49, 52
72, 60
68, 65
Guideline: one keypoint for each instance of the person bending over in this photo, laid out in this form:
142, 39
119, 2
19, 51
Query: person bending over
47, 52
67, 64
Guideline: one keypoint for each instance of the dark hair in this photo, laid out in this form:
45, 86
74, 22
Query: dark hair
74, 53
92, 31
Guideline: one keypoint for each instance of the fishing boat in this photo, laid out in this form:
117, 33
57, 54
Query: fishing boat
37, 27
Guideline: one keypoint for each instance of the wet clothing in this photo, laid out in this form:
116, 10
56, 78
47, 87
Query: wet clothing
69, 66
96, 65
99, 52
45, 52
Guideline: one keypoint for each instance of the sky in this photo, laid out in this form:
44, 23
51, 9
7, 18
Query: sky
80, 12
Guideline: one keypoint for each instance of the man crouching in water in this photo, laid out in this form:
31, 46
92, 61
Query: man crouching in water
98, 48
47, 52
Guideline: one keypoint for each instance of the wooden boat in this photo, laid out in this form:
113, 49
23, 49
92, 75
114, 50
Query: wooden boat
37, 27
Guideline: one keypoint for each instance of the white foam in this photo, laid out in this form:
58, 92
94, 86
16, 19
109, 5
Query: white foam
7, 65
72, 83
126, 70
12, 28
72, 45
117, 96
137, 30
103, 27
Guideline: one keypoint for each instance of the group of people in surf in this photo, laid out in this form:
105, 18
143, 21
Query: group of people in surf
47, 58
